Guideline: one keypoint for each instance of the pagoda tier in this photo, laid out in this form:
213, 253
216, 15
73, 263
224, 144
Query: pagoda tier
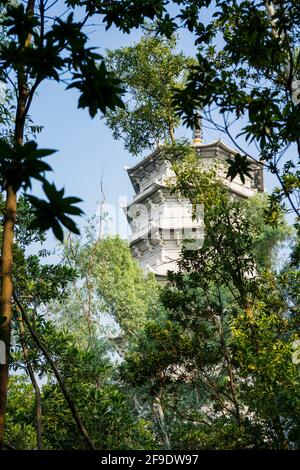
160, 220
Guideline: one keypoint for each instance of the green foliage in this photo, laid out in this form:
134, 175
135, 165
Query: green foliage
222, 353
103, 405
215, 349
31, 53
106, 411
214, 366
267, 237
252, 232
239, 166
273, 394
125, 15
40, 283
151, 71
127, 293
99, 89
20, 431
109, 282
19, 22
252, 81
21, 163
59, 318
52, 213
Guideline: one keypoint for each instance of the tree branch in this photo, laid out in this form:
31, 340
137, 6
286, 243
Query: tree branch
57, 374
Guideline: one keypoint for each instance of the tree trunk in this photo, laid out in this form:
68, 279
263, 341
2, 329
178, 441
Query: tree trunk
6, 295
58, 376
38, 407
160, 417
36, 388
171, 134
8, 238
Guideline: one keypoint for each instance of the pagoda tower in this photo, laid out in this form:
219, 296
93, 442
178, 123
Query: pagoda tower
160, 221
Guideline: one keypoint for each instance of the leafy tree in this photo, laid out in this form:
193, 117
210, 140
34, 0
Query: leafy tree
253, 81
127, 293
20, 427
113, 296
221, 356
36, 284
246, 80
40, 48
71, 330
151, 70
104, 406
110, 284
257, 91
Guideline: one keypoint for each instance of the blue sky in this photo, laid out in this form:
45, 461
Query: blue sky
86, 148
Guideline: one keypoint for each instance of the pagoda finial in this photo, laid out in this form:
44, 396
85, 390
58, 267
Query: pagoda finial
197, 137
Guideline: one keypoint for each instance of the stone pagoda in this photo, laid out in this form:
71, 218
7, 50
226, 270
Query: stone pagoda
160, 221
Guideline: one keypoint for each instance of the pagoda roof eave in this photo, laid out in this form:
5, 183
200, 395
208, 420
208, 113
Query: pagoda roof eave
215, 143
156, 186
144, 160
140, 197
220, 144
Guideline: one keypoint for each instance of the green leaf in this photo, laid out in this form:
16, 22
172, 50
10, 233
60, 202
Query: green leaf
238, 166
100, 89
20, 164
52, 213
57, 231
